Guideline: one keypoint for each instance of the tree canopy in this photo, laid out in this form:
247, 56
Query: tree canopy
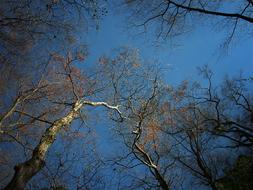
118, 123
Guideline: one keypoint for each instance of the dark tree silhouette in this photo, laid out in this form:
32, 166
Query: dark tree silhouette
174, 17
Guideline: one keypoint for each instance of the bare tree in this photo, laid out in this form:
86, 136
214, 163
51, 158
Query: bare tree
24, 24
208, 128
55, 102
174, 17
227, 109
140, 97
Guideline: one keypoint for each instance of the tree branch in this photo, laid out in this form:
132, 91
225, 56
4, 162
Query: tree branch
209, 12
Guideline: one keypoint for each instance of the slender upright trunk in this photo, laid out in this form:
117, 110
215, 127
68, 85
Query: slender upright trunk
26, 170
148, 162
161, 180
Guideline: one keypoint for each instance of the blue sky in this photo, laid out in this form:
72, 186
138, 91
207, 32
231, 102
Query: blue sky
202, 46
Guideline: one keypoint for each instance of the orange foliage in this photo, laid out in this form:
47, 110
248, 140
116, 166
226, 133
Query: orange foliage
165, 107
180, 91
151, 135
168, 121
58, 58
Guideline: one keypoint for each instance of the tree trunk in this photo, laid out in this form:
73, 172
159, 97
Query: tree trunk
161, 180
26, 170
